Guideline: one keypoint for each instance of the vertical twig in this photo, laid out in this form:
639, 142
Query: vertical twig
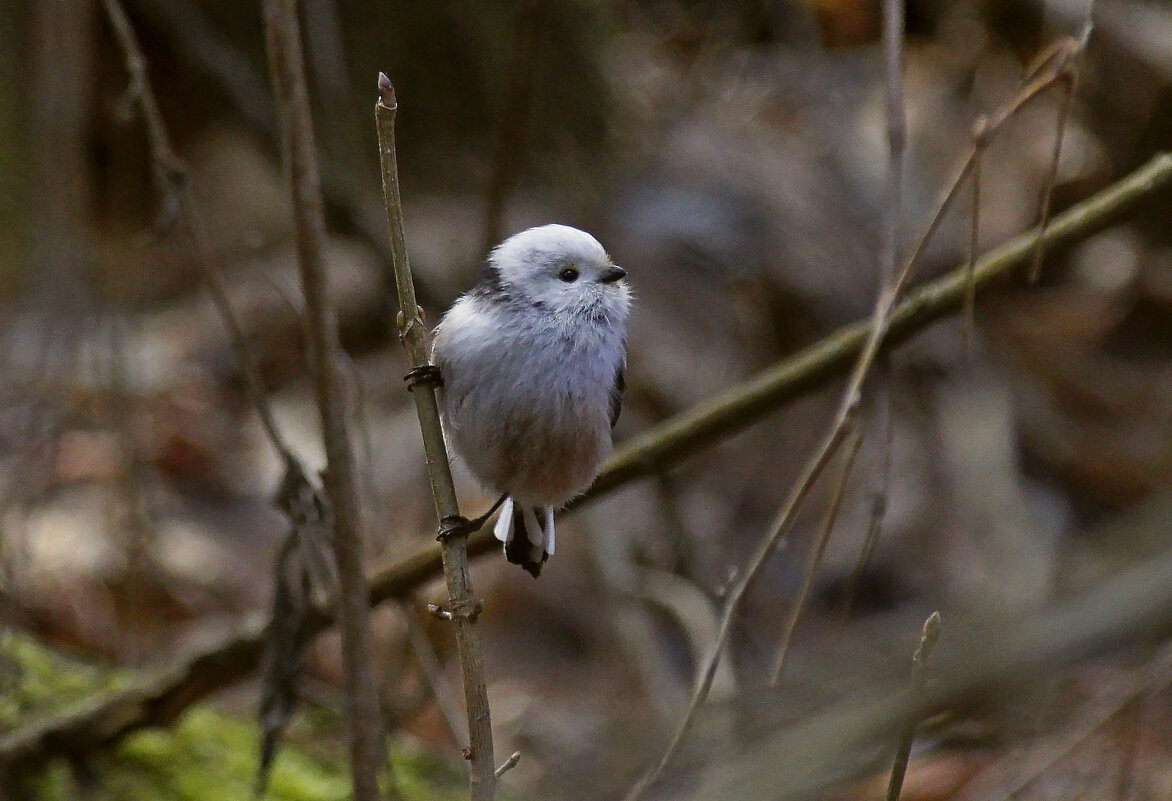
903, 751
893, 55
893, 28
980, 141
464, 608
1069, 83
798, 492
170, 178
432, 670
815, 557
286, 62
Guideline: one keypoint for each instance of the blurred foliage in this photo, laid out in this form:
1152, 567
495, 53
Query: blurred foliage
207, 754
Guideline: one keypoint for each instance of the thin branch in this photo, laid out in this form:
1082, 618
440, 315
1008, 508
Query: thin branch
464, 608
170, 175
893, 28
737, 407
296, 497
1009, 775
508, 764
287, 68
980, 142
882, 404
432, 670
815, 557
801, 488
903, 752
1069, 83
1126, 610
158, 697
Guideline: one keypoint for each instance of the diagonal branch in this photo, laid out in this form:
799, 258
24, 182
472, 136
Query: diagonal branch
739, 406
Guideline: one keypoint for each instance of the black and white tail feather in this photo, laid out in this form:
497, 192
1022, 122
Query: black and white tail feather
527, 533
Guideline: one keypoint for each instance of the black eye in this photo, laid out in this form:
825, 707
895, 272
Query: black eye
569, 275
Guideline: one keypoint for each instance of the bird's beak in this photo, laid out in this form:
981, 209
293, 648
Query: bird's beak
615, 273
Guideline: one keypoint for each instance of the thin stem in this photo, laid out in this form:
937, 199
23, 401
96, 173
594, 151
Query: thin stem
801, 488
980, 142
893, 27
287, 67
170, 178
882, 405
1069, 85
464, 608
903, 752
815, 557
733, 409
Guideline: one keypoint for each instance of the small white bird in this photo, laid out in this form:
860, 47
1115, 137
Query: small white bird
532, 361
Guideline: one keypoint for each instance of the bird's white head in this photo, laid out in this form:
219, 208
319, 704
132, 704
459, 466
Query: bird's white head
562, 269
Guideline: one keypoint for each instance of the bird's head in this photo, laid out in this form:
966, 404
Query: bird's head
559, 268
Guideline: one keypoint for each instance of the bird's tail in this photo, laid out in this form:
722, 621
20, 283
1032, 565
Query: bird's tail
527, 533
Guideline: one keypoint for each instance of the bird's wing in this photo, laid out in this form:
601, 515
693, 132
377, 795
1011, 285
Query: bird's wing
616, 391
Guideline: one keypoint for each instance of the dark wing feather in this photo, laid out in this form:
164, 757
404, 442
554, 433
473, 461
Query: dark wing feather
616, 392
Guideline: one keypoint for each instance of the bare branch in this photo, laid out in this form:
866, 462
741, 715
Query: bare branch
170, 178
903, 752
815, 557
893, 57
508, 764
287, 68
1125, 610
464, 608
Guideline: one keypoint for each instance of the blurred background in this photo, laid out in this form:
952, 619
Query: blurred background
732, 157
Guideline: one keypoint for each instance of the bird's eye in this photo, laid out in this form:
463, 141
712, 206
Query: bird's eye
569, 275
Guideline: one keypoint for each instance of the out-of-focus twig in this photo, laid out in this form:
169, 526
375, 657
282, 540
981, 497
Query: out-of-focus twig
464, 608
903, 750
1006, 777
1127, 609
737, 407
1060, 65
287, 68
890, 235
299, 500
432, 670
170, 177
815, 557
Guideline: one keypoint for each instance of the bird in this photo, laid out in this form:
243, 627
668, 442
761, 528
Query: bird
532, 364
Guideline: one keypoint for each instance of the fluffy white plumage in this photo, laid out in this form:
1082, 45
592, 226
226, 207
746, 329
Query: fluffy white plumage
532, 360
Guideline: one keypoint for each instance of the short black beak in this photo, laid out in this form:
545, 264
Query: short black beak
615, 273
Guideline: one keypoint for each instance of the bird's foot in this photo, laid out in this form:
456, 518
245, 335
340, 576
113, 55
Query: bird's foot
423, 374
460, 526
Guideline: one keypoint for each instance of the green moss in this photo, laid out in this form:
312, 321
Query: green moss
207, 755
37, 681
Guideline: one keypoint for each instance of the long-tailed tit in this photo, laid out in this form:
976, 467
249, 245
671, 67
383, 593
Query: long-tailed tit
532, 361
